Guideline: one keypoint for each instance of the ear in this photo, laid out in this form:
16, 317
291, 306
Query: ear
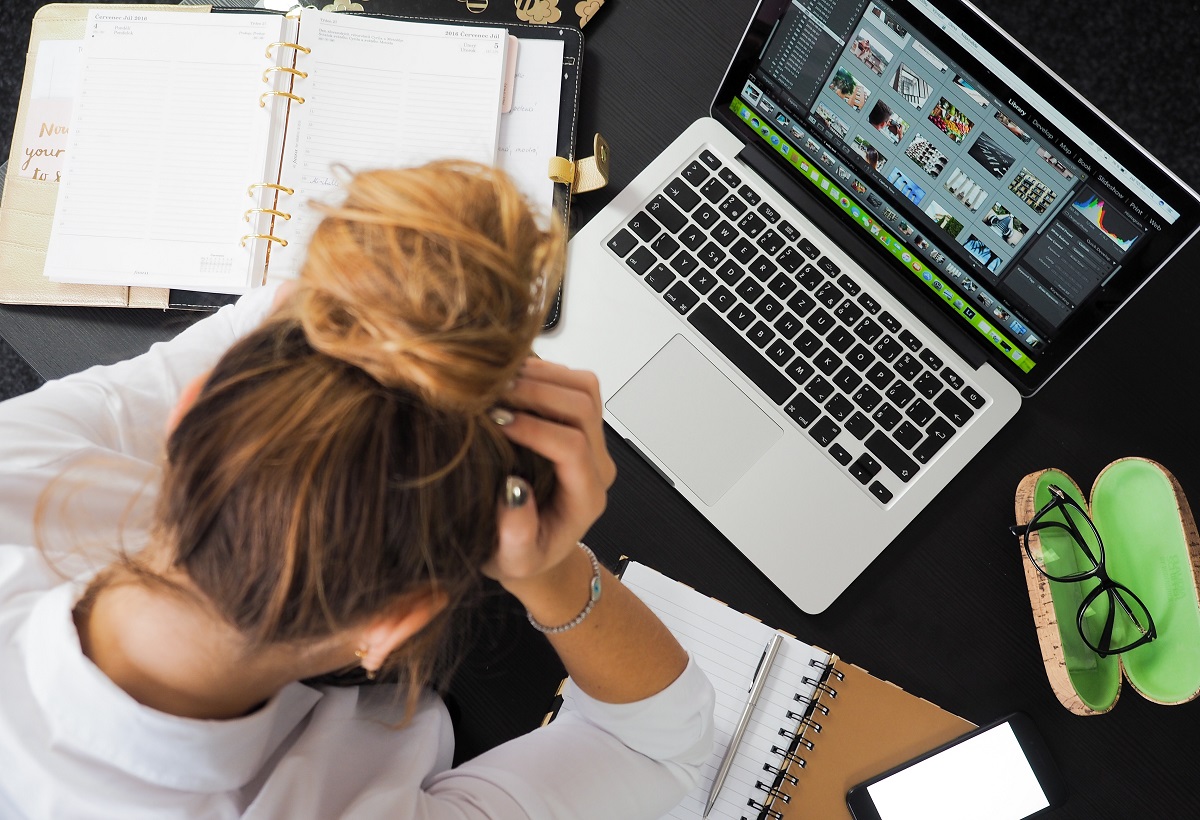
187, 397
405, 618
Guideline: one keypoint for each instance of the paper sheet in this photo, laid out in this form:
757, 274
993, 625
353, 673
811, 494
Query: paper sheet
529, 131
56, 76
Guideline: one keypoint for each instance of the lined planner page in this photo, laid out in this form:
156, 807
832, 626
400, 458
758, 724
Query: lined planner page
384, 93
165, 137
529, 132
728, 645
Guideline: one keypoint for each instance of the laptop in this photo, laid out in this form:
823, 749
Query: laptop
819, 303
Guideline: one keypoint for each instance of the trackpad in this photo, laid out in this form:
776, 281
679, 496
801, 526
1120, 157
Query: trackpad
694, 419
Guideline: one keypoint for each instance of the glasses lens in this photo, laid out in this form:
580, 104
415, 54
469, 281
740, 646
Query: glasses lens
1068, 547
1115, 620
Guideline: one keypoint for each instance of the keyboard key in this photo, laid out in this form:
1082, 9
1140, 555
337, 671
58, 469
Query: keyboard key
907, 435
743, 251
749, 290
849, 285
881, 492
890, 322
681, 297
840, 454
790, 260
787, 325
752, 224
867, 398
859, 426
810, 250
713, 190
907, 366
710, 159
895, 459
952, 408
939, 433
780, 352
865, 468
665, 246
768, 307
900, 394
808, 343
777, 387
802, 410
846, 379
879, 375
829, 295
910, 341
928, 385
819, 321
859, 358
886, 416
920, 412
682, 194
809, 277
769, 213
868, 330
705, 216
695, 173
723, 234
824, 431
641, 259
722, 299
847, 311
826, 264
930, 358
819, 389
763, 268
951, 378
732, 207
827, 361
659, 277
666, 213
887, 348
771, 242
712, 255
692, 237
644, 226
839, 407
869, 304
781, 286
760, 335
731, 179
839, 339
802, 303
684, 263
972, 396
789, 230
730, 272
799, 371
750, 195
703, 281
740, 316
622, 243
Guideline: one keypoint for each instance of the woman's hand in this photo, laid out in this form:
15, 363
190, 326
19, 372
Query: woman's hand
557, 413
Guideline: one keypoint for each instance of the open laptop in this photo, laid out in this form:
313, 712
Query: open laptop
823, 299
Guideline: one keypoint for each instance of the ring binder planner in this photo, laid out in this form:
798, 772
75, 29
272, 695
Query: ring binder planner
287, 70
262, 98
848, 727
296, 46
283, 188
271, 211
269, 237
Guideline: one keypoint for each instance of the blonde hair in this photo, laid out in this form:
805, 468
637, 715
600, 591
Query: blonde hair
340, 456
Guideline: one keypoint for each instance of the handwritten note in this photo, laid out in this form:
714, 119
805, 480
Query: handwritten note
56, 74
529, 131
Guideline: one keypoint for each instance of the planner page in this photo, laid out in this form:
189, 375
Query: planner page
382, 93
728, 646
165, 136
529, 131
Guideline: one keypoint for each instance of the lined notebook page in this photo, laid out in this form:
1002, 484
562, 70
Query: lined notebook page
384, 93
529, 132
727, 645
165, 136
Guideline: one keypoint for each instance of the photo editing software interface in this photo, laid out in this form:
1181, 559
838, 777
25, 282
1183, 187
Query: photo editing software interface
1006, 211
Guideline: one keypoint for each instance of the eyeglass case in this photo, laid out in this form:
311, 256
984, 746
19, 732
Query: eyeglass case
1151, 546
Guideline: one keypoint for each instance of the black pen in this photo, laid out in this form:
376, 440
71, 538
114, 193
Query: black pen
760, 680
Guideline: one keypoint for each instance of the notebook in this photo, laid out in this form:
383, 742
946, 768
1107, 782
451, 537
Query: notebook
820, 726
538, 123
820, 302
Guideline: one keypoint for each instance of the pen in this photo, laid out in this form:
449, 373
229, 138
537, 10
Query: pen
760, 679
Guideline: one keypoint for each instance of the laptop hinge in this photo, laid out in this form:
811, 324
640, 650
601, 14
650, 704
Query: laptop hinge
860, 250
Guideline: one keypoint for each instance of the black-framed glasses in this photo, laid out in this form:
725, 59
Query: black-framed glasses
1111, 617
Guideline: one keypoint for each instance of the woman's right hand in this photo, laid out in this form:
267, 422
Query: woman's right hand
557, 413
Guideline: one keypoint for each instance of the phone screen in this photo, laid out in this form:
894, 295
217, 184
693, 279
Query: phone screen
986, 777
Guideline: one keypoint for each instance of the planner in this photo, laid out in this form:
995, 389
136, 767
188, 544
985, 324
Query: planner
821, 724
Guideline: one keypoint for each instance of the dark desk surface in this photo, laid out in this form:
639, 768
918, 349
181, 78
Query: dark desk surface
944, 612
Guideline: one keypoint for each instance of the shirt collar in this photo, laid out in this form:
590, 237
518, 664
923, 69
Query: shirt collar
89, 715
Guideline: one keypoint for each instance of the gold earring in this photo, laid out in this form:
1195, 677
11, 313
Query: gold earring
360, 654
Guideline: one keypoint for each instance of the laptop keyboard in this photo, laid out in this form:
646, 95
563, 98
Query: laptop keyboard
813, 339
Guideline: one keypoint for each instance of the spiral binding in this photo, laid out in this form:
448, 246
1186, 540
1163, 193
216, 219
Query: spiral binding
781, 774
765, 811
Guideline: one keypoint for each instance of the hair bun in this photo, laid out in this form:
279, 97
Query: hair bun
434, 278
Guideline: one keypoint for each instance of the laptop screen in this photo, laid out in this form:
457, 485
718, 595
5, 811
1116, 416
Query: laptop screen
931, 134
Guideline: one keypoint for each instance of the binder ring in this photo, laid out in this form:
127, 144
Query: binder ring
774, 815
782, 773
816, 705
824, 687
262, 98
271, 211
296, 46
773, 792
266, 236
827, 667
284, 188
797, 739
805, 721
789, 756
293, 71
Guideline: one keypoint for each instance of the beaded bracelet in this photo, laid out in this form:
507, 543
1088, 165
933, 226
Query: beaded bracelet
592, 599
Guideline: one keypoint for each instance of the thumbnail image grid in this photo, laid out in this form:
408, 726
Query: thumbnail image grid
1012, 127
1054, 163
832, 121
1032, 191
1005, 223
884, 120
988, 153
926, 155
909, 85
945, 220
966, 190
849, 88
871, 54
869, 153
909, 189
950, 121
971, 91
979, 249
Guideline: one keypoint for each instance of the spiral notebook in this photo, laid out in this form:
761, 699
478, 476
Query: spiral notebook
820, 726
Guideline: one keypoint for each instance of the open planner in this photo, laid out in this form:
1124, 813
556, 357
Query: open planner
820, 726
201, 145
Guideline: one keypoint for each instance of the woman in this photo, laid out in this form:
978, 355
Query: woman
343, 463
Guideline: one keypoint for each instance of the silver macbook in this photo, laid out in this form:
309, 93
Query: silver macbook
823, 299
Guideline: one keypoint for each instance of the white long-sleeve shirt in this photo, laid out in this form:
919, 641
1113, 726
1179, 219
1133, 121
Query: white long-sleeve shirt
74, 745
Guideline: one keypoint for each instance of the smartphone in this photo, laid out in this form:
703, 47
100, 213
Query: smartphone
1002, 771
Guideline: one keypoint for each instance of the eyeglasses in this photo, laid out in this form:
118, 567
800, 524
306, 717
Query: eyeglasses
1111, 618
